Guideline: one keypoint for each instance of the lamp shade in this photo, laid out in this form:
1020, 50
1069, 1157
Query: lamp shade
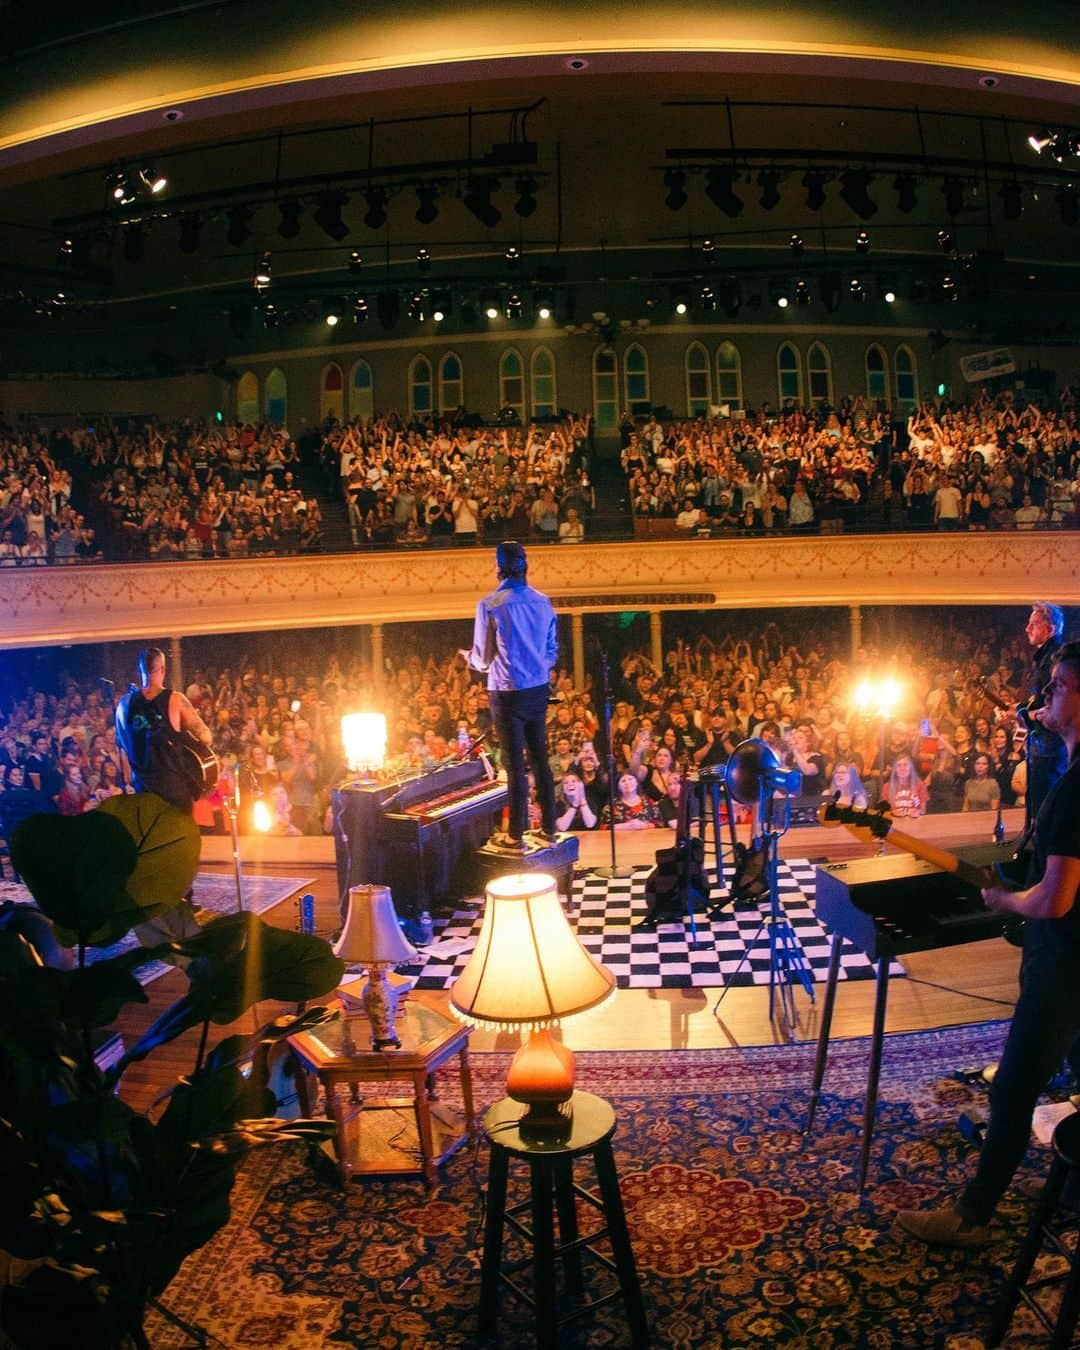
363, 736
372, 933
528, 967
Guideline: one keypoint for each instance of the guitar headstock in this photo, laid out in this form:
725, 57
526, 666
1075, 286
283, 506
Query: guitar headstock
865, 825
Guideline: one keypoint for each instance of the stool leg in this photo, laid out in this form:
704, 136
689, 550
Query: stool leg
620, 1243
1070, 1305
568, 1225
543, 1217
498, 1161
1029, 1250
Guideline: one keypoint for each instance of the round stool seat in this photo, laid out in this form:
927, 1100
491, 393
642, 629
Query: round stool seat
1067, 1139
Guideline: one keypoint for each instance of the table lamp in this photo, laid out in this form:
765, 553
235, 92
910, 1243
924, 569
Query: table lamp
529, 970
363, 736
372, 937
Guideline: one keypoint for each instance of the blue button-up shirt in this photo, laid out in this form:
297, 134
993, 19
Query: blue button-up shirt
514, 637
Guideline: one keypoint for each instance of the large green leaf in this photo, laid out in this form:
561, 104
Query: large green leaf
167, 848
57, 1307
210, 1104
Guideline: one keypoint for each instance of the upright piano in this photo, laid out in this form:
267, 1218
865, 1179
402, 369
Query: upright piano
416, 835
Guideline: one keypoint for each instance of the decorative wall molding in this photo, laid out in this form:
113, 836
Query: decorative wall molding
50, 605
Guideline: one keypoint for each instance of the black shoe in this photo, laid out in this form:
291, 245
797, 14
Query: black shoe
507, 843
544, 837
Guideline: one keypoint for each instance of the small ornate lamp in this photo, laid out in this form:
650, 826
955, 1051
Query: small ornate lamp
529, 970
363, 736
373, 938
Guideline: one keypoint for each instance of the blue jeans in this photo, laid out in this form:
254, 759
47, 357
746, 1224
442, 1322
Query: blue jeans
520, 717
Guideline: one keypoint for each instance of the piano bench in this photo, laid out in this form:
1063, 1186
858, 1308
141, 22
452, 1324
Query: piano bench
557, 859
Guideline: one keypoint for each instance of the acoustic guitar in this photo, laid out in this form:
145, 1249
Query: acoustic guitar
196, 761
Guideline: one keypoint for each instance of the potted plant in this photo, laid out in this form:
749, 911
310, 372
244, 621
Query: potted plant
103, 1203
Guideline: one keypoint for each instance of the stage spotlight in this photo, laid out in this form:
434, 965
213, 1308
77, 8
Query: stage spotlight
778, 293
514, 306
388, 307
525, 187
375, 215
427, 196
423, 260
239, 230
856, 290
855, 191
262, 276
270, 316
862, 241
680, 299
814, 183
120, 188
948, 286
830, 291
802, 292
769, 183
545, 303
489, 302
356, 262
1012, 199
1059, 147
442, 305
1067, 204
512, 256
290, 211
719, 188
889, 295
478, 201
953, 190
708, 299
327, 215
1039, 141
360, 309
332, 313
190, 232
946, 240
415, 310
155, 183
675, 182
795, 243
134, 243
63, 253
906, 198
708, 250
731, 296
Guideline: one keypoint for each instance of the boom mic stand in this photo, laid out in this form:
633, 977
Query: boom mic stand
613, 871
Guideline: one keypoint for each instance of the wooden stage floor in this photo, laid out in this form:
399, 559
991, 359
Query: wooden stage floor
958, 985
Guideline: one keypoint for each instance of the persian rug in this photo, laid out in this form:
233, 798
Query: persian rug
215, 892
730, 950
746, 1232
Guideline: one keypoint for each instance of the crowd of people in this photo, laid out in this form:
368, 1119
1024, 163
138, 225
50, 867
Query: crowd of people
954, 742
990, 463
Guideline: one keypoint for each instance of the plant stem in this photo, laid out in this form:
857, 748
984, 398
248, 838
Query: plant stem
202, 1045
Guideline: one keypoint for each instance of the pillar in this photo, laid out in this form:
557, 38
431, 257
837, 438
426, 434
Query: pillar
378, 663
855, 614
176, 664
656, 639
577, 645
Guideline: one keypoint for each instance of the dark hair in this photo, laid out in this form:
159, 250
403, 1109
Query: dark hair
510, 559
1069, 655
147, 657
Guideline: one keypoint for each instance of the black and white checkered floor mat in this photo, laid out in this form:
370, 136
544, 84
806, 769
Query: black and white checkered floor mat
604, 913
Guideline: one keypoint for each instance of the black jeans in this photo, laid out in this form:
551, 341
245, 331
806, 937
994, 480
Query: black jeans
520, 717
1044, 1030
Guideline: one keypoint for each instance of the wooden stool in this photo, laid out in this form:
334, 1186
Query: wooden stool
1020, 1287
550, 1159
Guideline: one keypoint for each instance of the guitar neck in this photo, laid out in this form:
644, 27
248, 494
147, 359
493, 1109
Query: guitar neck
939, 857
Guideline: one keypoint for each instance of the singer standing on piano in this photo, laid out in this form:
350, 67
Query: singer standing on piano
515, 643
1046, 1023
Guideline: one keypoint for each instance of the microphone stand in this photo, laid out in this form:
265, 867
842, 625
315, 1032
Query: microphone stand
611, 872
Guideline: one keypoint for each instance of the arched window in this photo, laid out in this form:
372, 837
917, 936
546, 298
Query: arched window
542, 380
332, 396
907, 380
636, 376
877, 373
277, 398
361, 392
819, 374
605, 379
729, 375
420, 386
789, 376
698, 380
247, 397
451, 383
512, 382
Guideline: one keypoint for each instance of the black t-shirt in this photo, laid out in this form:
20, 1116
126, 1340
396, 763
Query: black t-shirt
1057, 831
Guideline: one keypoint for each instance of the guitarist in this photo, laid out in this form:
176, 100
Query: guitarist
148, 723
1046, 1023
1046, 757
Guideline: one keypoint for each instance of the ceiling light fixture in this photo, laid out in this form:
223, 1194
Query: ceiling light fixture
332, 313
478, 201
356, 261
855, 191
155, 183
327, 215
290, 210
525, 187
953, 190
512, 256
862, 241
946, 240
906, 197
490, 303
262, 272
442, 305
802, 292
239, 230
720, 190
360, 309
797, 246
423, 260
375, 200
514, 306
427, 210
814, 182
675, 182
769, 183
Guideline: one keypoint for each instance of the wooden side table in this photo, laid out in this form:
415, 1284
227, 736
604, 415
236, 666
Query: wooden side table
339, 1054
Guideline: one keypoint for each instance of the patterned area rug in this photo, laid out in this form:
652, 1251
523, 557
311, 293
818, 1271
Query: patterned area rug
746, 1232
213, 891
732, 949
